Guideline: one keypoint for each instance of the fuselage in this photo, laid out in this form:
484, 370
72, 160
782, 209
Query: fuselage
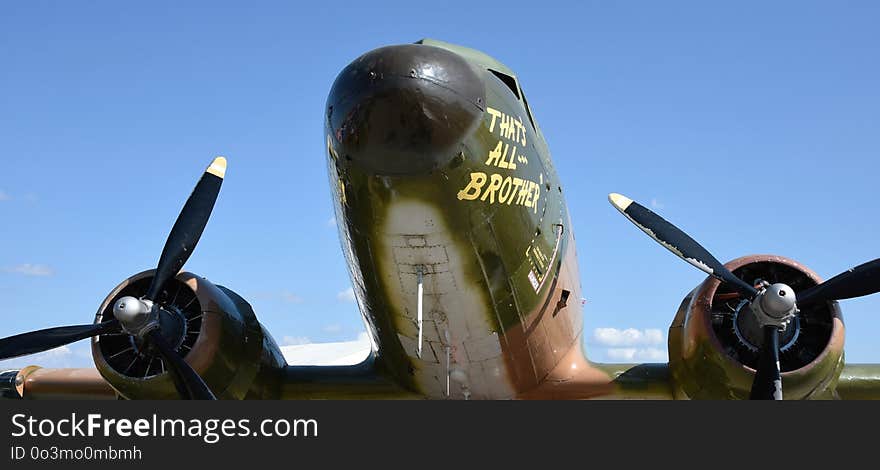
438, 167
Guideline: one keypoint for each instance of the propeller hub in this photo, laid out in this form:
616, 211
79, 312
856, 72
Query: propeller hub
775, 305
748, 329
779, 301
137, 316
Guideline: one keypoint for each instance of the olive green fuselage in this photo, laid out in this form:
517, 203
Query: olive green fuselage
487, 228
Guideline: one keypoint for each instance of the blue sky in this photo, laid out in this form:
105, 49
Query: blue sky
753, 126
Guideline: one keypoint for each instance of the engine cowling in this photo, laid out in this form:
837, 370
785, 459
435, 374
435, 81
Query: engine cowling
713, 340
220, 338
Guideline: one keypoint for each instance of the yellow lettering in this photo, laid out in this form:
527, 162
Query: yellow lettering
494, 184
510, 163
537, 196
499, 158
503, 194
541, 257
495, 113
506, 189
472, 190
526, 188
502, 163
528, 199
494, 155
517, 183
504, 129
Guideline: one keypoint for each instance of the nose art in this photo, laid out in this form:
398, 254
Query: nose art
404, 110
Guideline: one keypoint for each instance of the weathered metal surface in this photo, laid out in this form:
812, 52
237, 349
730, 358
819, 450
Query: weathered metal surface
35, 383
859, 382
230, 351
701, 368
481, 213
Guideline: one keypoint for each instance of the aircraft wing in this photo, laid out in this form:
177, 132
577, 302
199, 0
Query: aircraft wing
338, 378
859, 382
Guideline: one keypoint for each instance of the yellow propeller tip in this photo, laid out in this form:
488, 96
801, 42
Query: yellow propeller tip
218, 167
619, 201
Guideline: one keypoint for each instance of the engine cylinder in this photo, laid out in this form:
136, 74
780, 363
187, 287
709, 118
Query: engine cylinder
214, 330
714, 340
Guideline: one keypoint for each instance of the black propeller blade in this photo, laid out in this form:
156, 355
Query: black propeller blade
189, 226
189, 385
681, 244
859, 281
771, 305
768, 380
181, 242
140, 318
50, 338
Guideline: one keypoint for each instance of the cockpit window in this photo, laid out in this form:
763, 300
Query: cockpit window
508, 80
529, 112
515, 89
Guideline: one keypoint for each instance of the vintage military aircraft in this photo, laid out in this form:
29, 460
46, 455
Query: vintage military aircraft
460, 249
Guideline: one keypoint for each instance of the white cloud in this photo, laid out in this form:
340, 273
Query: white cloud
29, 269
4, 196
60, 357
346, 296
331, 222
630, 344
637, 354
295, 341
655, 204
616, 338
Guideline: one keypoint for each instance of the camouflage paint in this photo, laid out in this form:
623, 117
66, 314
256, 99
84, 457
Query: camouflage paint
488, 227
510, 334
701, 369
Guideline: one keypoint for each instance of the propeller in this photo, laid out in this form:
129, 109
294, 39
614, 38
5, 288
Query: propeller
51, 338
859, 281
768, 379
189, 384
679, 243
773, 305
144, 318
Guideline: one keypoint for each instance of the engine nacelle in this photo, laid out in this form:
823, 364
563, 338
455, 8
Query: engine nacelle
713, 340
222, 341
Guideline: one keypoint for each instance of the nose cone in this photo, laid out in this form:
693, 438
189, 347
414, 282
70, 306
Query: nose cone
404, 110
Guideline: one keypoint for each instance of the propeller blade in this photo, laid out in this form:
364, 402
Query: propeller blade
189, 385
768, 381
50, 338
861, 280
675, 240
189, 226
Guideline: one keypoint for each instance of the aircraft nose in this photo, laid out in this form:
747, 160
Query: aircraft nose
405, 109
